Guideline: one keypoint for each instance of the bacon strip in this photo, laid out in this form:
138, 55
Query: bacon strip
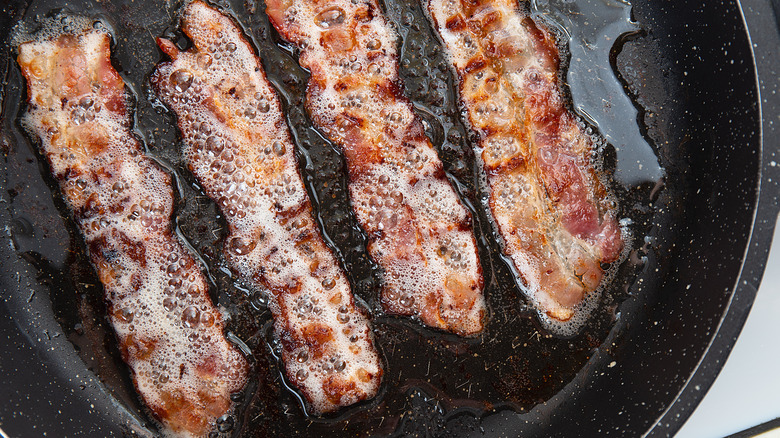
237, 144
169, 331
556, 218
419, 232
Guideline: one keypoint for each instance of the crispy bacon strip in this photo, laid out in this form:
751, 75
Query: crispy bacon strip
237, 144
170, 333
556, 218
419, 232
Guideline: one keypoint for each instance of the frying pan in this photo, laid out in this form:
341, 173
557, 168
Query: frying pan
705, 80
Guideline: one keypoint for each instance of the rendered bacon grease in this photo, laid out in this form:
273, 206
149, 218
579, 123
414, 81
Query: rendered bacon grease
556, 218
419, 232
237, 144
170, 333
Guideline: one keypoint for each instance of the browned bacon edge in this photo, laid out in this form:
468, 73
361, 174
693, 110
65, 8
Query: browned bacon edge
236, 142
419, 232
170, 333
556, 218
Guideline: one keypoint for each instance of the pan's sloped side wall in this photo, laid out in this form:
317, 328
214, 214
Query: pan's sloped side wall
762, 18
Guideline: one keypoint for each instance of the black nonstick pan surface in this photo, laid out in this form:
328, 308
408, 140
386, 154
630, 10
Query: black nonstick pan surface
703, 78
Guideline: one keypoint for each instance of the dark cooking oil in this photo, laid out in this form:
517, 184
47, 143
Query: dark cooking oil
591, 29
435, 384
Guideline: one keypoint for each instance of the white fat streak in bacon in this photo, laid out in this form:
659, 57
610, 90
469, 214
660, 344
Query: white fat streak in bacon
169, 331
431, 266
255, 180
521, 196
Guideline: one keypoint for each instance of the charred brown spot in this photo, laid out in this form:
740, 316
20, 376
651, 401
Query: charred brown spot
89, 209
106, 271
301, 210
347, 120
335, 388
474, 64
507, 165
136, 281
389, 91
363, 375
374, 55
182, 414
97, 247
214, 109
315, 337
365, 13
456, 23
136, 348
70, 172
465, 224
118, 206
135, 250
304, 238
92, 139
338, 39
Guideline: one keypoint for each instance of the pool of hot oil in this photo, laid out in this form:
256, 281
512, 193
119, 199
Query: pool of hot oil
433, 381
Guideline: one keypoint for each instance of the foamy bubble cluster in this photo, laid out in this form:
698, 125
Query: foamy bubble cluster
555, 217
169, 331
237, 144
419, 232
